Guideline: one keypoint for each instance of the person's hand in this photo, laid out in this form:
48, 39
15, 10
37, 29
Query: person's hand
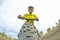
19, 16
37, 19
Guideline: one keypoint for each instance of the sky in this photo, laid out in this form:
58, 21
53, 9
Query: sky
48, 12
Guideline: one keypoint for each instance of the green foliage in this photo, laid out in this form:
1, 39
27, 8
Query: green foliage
3, 34
41, 33
48, 29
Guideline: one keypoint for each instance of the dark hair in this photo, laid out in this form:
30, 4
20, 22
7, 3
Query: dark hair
31, 7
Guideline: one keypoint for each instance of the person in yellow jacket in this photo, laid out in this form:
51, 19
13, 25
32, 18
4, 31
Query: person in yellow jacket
30, 17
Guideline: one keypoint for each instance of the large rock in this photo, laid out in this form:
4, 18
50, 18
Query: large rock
28, 32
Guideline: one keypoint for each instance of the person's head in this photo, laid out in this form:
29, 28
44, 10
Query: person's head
30, 9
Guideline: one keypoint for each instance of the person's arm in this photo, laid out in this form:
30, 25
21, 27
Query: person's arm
36, 18
20, 17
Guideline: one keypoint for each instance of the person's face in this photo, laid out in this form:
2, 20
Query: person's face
30, 9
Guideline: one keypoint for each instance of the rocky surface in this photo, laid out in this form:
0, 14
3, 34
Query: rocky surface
28, 32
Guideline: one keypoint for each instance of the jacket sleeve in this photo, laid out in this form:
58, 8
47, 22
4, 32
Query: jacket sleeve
25, 15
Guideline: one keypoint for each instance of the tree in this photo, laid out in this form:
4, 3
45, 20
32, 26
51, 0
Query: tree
49, 29
41, 33
3, 34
